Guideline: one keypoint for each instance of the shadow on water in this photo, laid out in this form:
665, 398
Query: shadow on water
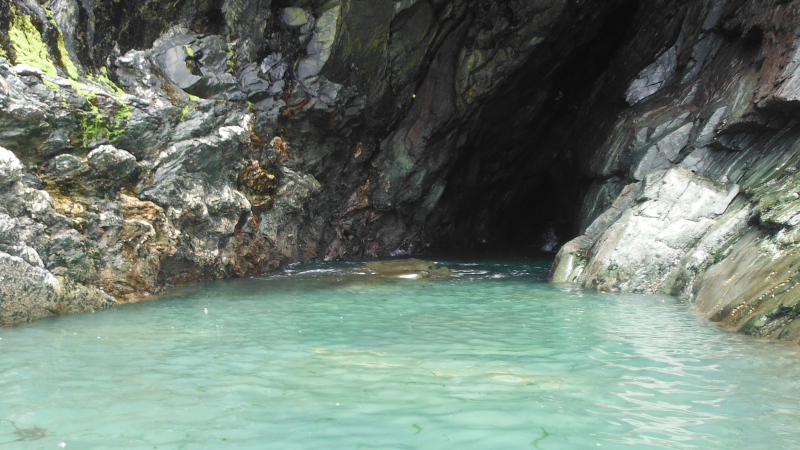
25, 434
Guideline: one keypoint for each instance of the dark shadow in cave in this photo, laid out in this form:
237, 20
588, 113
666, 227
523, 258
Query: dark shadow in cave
519, 178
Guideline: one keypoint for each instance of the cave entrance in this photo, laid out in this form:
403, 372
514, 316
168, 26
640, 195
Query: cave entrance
519, 185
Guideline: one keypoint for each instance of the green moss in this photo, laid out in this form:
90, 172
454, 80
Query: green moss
51, 86
231, 62
91, 121
81, 91
184, 112
95, 124
91, 124
102, 80
66, 62
29, 48
188, 49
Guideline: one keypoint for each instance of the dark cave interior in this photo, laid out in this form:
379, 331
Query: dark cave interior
519, 180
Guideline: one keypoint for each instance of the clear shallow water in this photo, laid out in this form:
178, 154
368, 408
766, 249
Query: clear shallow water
494, 358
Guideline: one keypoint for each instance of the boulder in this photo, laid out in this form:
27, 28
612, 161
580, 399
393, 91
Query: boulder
66, 166
56, 143
26, 292
10, 167
294, 17
111, 162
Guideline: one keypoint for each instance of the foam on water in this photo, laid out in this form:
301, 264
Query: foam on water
321, 357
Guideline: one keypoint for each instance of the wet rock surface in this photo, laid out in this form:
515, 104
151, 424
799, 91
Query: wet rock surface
710, 219
146, 144
411, 269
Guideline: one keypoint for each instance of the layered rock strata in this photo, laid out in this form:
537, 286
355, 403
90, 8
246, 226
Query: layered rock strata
705, 161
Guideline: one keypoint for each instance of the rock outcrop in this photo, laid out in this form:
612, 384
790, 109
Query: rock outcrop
152, 144
146, 144
708, 150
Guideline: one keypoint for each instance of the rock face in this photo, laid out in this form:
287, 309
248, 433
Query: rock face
708, 155
151, 143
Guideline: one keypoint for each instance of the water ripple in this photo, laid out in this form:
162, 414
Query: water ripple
318, 356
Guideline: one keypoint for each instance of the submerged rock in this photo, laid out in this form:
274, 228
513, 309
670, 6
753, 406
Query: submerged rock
410, 269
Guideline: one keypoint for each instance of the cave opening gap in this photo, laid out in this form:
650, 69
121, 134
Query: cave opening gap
518, 185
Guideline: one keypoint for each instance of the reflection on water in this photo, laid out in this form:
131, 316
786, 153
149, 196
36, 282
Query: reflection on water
322, 356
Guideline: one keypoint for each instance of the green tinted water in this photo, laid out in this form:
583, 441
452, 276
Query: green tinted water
494, 358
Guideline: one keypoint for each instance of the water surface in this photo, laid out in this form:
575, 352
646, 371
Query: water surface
313, 358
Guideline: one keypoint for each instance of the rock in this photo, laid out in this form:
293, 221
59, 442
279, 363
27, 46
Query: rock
57, 143
77, 298
10, 167
26, 292
173, 62
459, 124
111, 162
294, 17
257, 88
24, 70
664, 153
200, 65
319, 48
652, 78
274, 66
410, 269
67, 166
637, 250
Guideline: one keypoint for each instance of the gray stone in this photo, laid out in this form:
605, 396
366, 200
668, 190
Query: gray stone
57, 143
10, 167
319, 48
173, 63
28, 254
26, 292
652, 78
409, 269
275, 66
710, 129
66, 166
664, 153
111, 162
638, 250
294, 17
24, 70
257, 88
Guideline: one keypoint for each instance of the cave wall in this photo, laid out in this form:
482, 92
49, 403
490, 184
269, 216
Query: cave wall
707, 156
146, 144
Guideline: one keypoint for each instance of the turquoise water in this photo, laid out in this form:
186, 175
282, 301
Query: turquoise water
313, 358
